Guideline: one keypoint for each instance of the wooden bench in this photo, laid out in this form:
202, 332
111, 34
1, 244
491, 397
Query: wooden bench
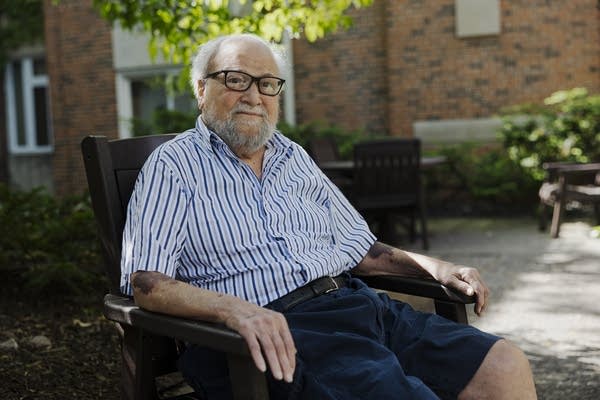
567, 183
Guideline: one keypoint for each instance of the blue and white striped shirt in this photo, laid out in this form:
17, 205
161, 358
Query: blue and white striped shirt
200, 215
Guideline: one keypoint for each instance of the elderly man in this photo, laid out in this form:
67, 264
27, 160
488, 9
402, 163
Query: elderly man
232, 222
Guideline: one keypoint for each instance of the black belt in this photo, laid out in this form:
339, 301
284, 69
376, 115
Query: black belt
311, 290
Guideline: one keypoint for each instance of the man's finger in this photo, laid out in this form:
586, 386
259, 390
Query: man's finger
286, 349
283, 356
482, 299
256, 352
482, 293
291, 349
270, 352
462, 286
471, 277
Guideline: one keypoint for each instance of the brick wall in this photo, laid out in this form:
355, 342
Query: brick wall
402, 62
82, 85
342, 78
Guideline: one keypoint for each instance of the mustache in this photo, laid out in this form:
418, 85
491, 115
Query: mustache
244, 108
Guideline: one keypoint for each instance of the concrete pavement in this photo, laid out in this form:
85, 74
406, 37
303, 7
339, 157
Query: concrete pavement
545, 294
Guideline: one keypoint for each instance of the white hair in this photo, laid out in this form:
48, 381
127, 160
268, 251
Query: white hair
203, 59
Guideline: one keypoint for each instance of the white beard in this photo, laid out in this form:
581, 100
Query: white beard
227, 130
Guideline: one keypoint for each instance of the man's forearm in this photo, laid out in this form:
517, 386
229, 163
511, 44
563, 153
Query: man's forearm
384, 259
158, 292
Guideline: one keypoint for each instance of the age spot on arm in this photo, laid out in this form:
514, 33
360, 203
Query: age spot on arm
379, 249
145, 281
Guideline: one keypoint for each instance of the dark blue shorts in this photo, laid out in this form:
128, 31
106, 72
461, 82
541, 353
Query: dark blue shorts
355, 343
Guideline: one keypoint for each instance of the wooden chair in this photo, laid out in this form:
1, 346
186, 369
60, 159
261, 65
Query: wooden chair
387, 181
567, 183
323, 150
149, 340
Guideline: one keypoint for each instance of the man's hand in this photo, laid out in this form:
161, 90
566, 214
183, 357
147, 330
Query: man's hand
467, 280
267, 335
266, 331
384, 259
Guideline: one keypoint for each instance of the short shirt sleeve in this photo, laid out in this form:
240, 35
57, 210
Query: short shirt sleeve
351, 231
155, 229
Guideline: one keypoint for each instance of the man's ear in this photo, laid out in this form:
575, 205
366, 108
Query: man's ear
201, 87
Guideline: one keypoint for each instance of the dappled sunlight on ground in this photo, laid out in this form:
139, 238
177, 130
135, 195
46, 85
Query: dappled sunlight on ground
546, 295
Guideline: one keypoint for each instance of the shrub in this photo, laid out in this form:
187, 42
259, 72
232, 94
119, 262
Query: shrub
481, 179
51, 243
164, 121
565, 128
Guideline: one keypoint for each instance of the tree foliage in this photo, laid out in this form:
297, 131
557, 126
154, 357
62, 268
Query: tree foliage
21, 23
177, 27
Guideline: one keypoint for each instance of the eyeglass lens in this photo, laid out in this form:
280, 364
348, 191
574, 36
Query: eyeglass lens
241, 81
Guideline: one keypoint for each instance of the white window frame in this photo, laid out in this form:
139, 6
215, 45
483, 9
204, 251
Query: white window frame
123, 82
29, 83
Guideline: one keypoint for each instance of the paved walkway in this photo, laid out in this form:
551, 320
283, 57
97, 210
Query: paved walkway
545, 295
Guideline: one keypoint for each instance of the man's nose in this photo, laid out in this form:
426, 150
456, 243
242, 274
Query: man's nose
252, 95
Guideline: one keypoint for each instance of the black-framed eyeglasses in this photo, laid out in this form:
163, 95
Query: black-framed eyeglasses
240, 82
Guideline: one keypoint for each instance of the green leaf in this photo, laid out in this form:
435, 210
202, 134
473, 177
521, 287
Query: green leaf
185, 22
177, 21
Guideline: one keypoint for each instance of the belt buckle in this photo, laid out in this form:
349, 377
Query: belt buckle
335, 285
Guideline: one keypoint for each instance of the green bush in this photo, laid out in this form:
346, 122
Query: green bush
484, 179
164, 121
51, 243
565, 128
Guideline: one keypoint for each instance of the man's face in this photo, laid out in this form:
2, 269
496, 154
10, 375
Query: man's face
244, 120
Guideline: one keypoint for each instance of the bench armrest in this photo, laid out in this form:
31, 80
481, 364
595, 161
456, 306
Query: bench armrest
123, 310
554, 165
580, 173
247, 381
580, 168
417, 287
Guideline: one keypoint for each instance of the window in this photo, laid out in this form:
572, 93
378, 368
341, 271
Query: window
27, 106
150, 94
141, 96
